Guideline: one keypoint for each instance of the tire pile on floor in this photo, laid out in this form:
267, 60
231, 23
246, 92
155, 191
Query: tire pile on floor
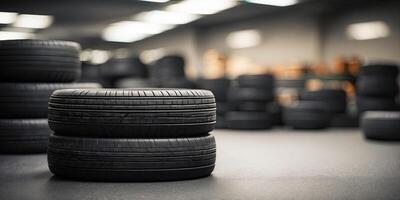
377, 87
377, 90
219, 87
125, 73
132, 134
251, 98
169, 72
30, 71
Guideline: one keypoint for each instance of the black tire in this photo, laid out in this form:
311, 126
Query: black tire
266, 81
335, 98
177, 83
24, 135
387, 70
39, 61
252, 106
171, 66
132, 112
306, 115
377, 86
224, 107
30, 100
239, 94
219, 87
275, 109
368, 103
99, 159
124, 67
381, 125
248, 120
344, 120
290, 83
90, 73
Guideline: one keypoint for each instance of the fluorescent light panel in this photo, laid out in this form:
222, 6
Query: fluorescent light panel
33, 21
10, 35
165, 17
7, 17
243, 39
368, 30
130, 31
202, 7
280, 3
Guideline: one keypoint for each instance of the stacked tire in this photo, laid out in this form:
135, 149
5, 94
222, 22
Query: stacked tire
306, 115
128, 72
219, 87
251, 98
377, 87
30, 71
132, 134
169, 72
336, 104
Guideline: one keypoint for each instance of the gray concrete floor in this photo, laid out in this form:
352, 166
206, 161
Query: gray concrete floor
273, 164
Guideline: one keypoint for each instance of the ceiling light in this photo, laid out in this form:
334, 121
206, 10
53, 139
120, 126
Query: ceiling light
202, 7
10, 35
280, 3
114, 34
243, 39
7, 17
165, 17
368, 30
33, 21
140, 27
156, 1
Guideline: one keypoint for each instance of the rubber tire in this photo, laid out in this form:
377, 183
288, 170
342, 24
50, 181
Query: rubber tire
224, 107
266, 81
248, 120
132, 113
219, 87
381, 125
30, 100
39, 61
24, 135
290, 83
90, 73
240, 94
306, 115
344, 120
377, 86
275, 109
124, 67
171, 66
387, 70
99, 159
252, 106
336, 99
368, 103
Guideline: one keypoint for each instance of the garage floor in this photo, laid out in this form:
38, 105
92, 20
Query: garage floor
274, 164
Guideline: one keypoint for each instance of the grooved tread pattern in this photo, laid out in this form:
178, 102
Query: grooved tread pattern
117, 159
24, 135
39, 61
132, 112
30, 100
